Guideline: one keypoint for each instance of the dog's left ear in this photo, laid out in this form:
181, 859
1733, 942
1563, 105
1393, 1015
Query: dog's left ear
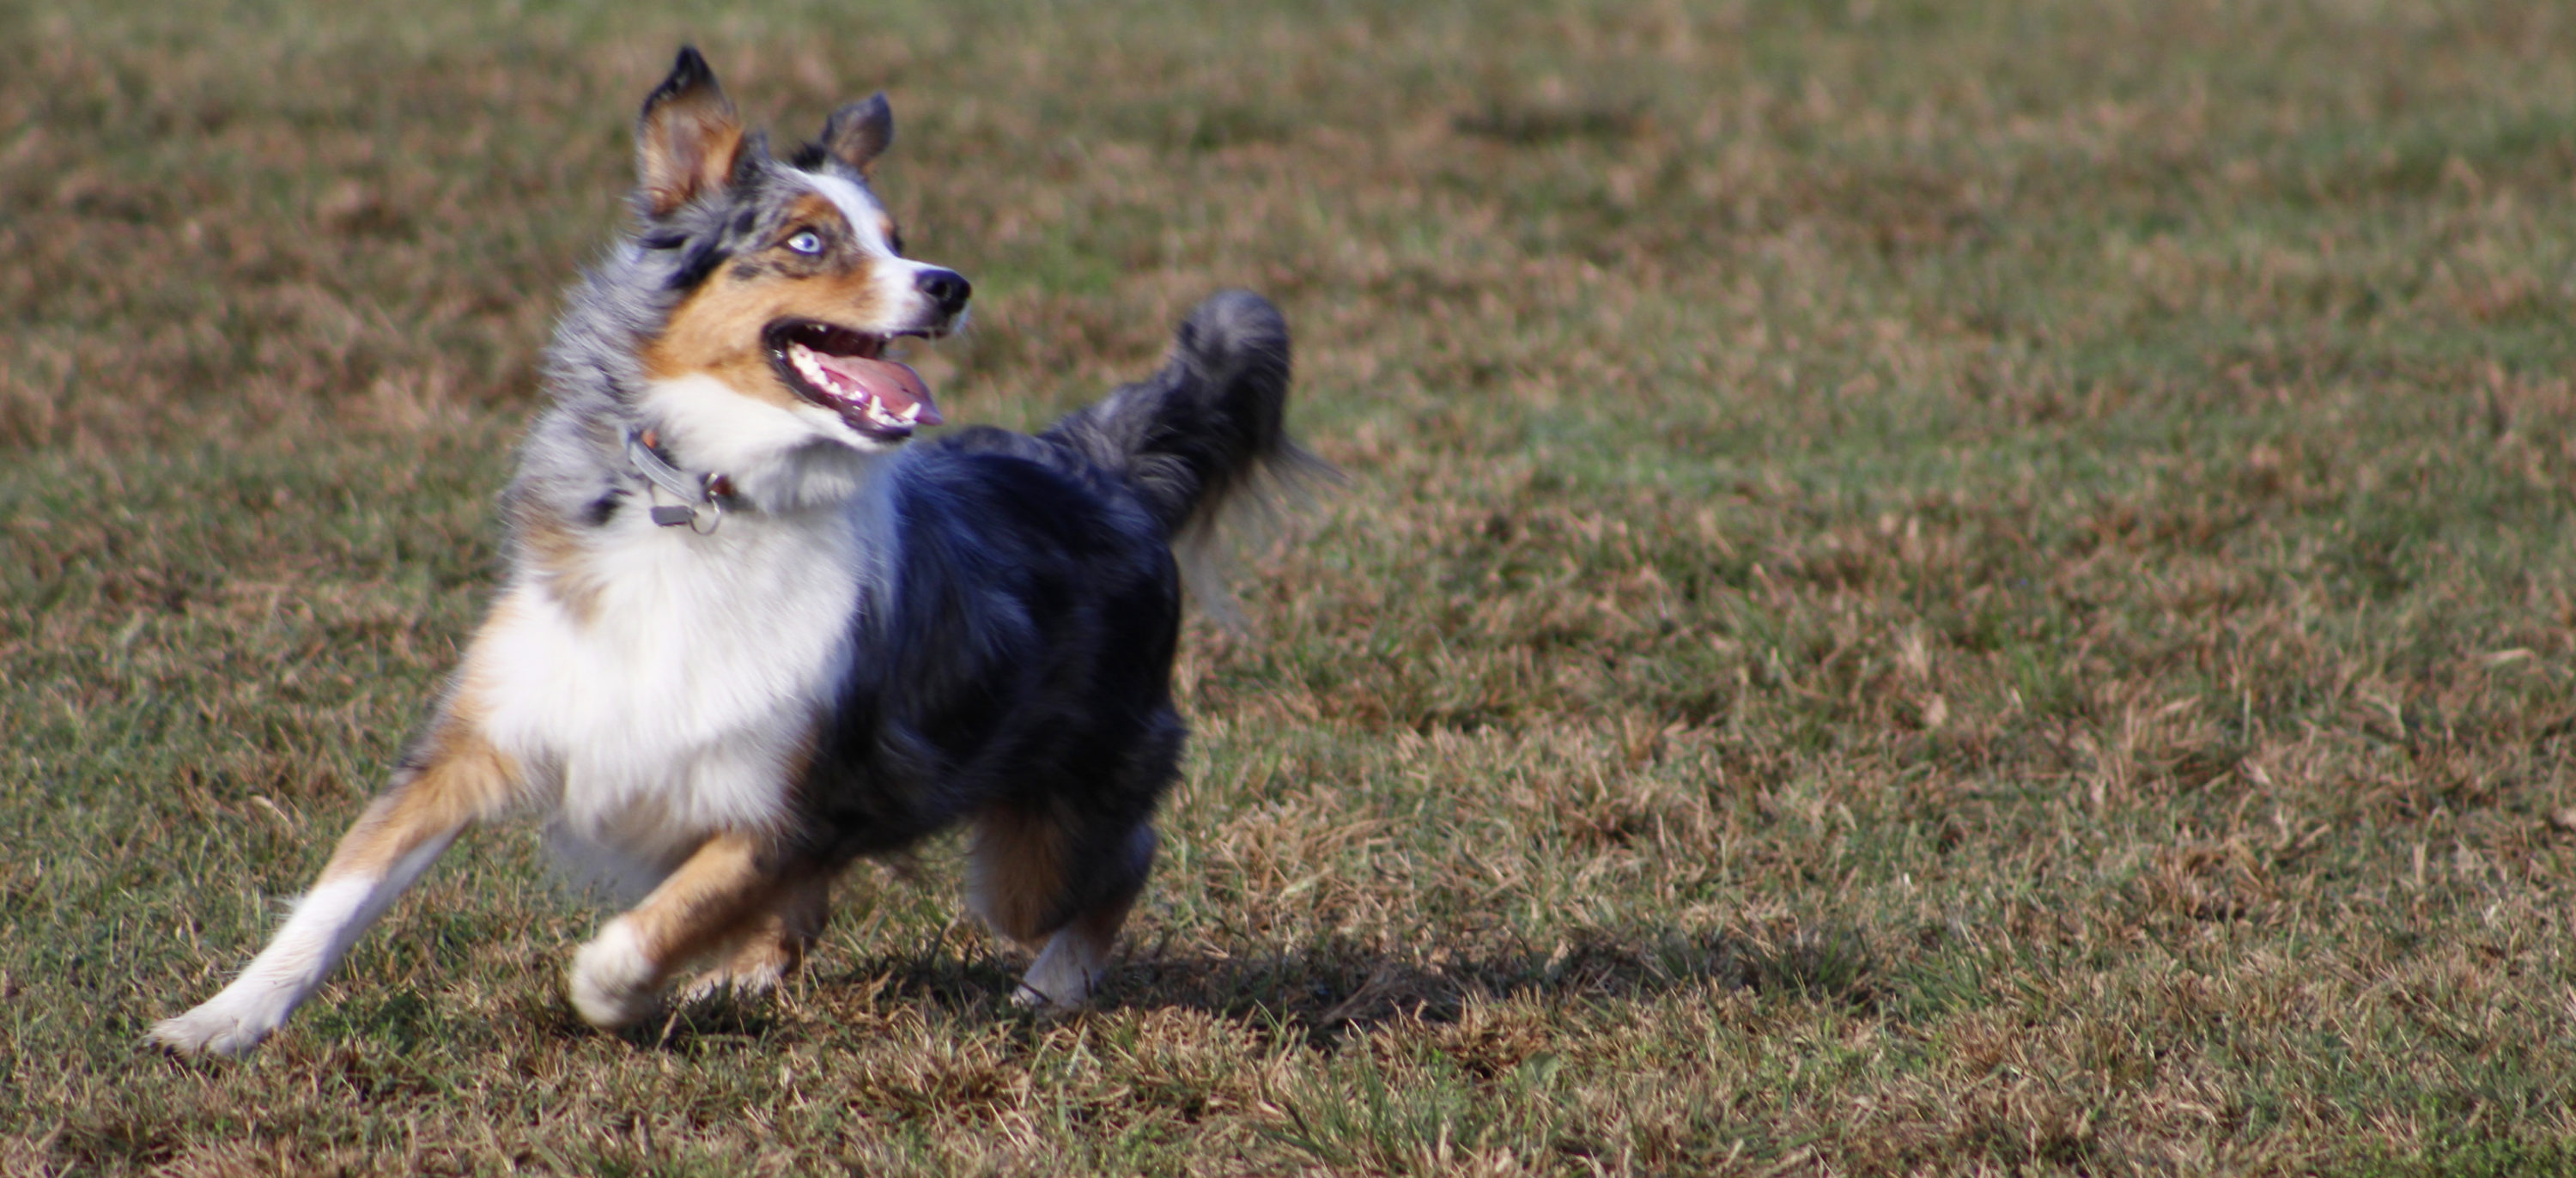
860, 132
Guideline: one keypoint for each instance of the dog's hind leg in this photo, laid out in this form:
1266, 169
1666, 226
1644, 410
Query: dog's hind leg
764, 949
1077, 956
450, 779
1032, 879
733, 878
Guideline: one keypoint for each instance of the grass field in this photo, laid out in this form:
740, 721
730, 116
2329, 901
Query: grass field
1922, 587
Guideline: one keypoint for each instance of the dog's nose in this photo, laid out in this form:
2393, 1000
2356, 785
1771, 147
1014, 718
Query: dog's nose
947, 288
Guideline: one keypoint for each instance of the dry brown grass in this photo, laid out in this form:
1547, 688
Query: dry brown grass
1924, 588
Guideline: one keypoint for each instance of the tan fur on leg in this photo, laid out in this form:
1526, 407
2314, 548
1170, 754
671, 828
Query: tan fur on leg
617, 978
1015, 872
1026, 877
770, 944
463, 781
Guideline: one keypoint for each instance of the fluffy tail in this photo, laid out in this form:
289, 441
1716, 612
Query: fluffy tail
1206, 432
1203, 441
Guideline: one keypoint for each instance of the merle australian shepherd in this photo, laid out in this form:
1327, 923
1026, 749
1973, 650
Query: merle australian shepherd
748, 635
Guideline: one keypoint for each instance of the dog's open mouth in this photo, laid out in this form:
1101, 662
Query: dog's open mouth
845, 371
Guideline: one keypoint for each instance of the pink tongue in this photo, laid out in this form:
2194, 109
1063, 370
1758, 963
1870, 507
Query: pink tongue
896, 387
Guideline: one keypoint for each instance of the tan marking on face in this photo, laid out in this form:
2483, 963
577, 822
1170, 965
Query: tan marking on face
717, 331
462, 779
815, 211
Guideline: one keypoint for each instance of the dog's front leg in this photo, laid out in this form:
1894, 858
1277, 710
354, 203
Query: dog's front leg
770, 941
617, 978
451, 779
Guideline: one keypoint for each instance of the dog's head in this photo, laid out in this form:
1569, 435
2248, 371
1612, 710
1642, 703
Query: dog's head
788, 276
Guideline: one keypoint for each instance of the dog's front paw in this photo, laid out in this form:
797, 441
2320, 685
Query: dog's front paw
613, 984
223, 1025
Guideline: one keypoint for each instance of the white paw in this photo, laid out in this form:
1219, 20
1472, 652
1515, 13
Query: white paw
613, 984
1061, 978
1028, 997
226, 1024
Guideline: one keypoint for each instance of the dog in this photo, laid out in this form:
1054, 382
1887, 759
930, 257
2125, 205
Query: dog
750, 635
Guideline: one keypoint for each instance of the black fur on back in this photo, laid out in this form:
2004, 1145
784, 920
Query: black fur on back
1021, 654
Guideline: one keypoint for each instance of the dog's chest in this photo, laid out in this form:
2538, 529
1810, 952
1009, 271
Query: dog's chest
682, 697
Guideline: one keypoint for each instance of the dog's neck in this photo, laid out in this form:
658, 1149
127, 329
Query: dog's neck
769, 460
703, 500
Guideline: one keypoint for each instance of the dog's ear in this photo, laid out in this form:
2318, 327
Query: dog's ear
860, 132
688, 139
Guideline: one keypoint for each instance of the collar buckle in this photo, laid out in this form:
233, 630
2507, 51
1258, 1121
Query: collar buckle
703, 501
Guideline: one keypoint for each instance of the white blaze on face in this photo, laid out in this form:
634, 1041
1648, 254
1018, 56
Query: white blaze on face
895, 276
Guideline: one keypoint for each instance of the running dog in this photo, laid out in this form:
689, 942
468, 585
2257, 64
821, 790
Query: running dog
749, 636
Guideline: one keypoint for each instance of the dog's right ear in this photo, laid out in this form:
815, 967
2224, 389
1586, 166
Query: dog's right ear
688, 139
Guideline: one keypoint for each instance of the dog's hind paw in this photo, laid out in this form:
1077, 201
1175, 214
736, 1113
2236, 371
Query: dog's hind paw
1034, 1000
1065, 973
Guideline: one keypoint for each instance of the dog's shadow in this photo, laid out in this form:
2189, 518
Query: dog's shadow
1331, 989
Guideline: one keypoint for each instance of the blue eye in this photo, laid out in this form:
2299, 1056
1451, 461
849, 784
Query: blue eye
806, 241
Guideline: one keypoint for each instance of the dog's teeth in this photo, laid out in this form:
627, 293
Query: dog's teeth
813, 370
868, 404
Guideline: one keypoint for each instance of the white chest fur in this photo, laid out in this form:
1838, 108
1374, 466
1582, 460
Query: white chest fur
683, 697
